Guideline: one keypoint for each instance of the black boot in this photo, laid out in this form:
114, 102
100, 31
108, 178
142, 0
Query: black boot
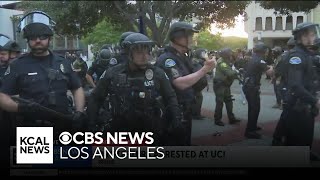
218, 123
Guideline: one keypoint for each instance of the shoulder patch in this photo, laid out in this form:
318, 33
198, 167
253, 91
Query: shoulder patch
262, 62
113, 61
170, 63
295, 60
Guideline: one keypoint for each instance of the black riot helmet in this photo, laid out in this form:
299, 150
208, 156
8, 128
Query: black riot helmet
179, 29
4, 41
226, 53
260, 48
36, 24
277, 50
105, 54
137, 41
123, 36
108, 46
201, 53
13, 46
304, 28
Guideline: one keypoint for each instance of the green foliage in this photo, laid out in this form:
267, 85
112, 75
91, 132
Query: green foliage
105, 32
286, 7
216, 42
234, 42
80, 17
207, 40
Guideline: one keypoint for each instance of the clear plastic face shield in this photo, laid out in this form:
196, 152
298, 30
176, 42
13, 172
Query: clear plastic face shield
4, 54
141, 54
309, 35
35, 17
4, 40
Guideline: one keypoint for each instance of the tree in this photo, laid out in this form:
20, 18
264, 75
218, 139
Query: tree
208, 41
105, 32
286, 7
234, 42
79, 17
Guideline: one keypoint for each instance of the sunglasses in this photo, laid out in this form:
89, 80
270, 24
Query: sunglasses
42, 37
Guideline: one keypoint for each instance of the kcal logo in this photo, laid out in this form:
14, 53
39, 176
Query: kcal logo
34, 145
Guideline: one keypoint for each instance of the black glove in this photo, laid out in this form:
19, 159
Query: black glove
29, 107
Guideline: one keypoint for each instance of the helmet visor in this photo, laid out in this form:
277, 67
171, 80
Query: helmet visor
3, 40
35, 17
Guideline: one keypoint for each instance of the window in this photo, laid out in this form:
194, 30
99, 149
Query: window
269, 23
289, 24
278, 23
299, 19
258, 24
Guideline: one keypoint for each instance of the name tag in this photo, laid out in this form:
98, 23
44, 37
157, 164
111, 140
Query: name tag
32, 74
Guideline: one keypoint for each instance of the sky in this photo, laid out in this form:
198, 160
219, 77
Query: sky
237, 30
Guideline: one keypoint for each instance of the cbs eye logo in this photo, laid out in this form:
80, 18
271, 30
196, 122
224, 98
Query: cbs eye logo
65, 138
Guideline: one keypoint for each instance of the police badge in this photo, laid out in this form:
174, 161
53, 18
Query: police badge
62, 68
149, 74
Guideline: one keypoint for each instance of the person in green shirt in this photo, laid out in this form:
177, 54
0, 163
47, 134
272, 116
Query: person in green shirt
224, 77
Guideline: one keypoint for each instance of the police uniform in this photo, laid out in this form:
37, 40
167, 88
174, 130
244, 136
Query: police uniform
2, 71
79, 63
223, 80
140, 100
196, 107
97, 68
277, 80
44, 80
256, 66
300, 100
178, 65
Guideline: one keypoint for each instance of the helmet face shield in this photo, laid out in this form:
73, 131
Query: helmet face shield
35, 17
4, 40
36, 24
142, 48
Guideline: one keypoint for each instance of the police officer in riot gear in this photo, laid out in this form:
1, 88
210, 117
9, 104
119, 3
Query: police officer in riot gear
15, 50
176, 62
222, 82
4, 55
103, 62
251, 88
276, 79
122, 56
279, 72
141, 96
300, 103
199, 57
40, 76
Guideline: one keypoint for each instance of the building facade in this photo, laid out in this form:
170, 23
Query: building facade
274, 30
